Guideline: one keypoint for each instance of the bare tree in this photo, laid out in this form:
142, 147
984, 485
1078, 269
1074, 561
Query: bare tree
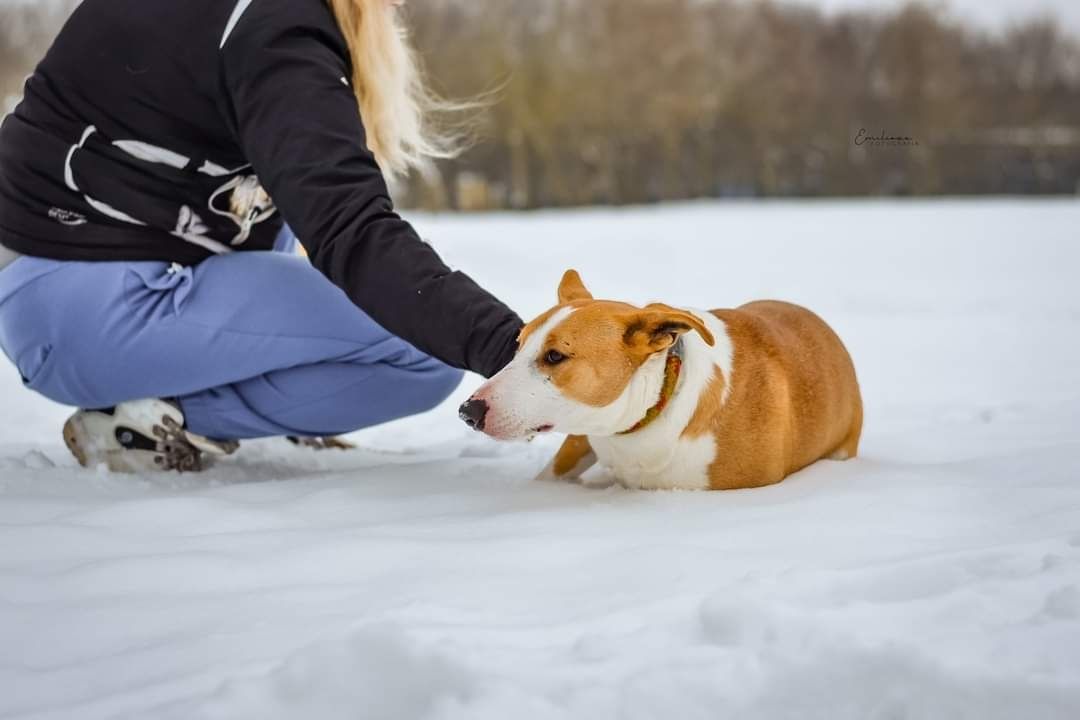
629, 101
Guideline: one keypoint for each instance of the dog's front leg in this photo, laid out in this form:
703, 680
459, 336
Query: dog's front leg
573, 459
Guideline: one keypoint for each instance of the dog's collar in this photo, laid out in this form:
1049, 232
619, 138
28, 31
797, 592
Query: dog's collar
672, 369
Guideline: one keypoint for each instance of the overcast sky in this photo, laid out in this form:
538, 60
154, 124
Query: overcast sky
993, 14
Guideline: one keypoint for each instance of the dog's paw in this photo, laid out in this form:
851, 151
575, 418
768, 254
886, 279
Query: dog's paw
548, 475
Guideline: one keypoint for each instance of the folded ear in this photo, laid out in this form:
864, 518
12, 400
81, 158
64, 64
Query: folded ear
658, 327
571, 288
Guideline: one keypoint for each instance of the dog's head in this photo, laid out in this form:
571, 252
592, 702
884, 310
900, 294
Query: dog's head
585, 367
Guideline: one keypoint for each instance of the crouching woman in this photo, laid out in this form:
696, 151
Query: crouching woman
146, 277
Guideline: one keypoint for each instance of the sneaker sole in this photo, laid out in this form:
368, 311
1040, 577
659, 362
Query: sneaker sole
169, 447
78, 438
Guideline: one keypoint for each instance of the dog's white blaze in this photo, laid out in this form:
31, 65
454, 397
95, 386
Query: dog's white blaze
520, 397
657, 456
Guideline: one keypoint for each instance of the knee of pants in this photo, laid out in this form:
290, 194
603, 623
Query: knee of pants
441, 383
424, 391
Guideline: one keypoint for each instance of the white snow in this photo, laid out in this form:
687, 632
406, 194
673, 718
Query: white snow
426, 576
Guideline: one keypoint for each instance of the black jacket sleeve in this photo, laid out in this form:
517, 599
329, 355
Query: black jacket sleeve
298, 123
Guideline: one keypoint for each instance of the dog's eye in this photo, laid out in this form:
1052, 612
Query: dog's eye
554, 357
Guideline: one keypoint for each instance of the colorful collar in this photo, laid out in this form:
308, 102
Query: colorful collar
672, 368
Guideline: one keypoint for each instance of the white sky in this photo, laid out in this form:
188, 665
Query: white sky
993, 14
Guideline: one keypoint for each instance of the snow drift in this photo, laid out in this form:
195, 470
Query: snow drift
426, 576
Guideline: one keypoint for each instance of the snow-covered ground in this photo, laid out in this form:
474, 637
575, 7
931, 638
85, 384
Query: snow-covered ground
426, 576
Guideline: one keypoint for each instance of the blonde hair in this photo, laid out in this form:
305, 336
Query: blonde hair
400, 113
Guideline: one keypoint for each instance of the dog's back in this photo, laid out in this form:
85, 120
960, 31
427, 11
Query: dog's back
794, 397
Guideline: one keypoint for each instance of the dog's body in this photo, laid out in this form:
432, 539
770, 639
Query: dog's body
761, 392
774, 394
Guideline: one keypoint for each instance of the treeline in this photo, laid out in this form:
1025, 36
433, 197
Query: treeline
629, 101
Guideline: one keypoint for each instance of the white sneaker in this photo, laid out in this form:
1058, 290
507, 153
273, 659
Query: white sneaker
140, 436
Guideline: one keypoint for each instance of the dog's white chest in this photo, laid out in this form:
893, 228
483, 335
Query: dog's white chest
683, 465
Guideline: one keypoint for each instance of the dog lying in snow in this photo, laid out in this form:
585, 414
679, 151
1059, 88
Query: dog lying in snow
672, 398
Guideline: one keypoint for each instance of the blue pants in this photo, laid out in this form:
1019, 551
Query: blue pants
252, 344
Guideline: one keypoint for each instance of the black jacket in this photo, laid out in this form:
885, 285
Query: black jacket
152, 128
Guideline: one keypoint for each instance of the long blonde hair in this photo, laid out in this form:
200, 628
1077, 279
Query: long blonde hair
400, 113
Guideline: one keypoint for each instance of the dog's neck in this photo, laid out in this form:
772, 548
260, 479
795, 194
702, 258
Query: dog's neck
672, 371
648, 455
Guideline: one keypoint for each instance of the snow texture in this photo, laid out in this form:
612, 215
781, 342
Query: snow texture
426, 576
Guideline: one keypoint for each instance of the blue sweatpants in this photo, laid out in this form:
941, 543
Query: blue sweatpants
252, 344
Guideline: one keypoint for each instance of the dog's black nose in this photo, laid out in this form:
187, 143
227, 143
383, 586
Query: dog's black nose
473, 413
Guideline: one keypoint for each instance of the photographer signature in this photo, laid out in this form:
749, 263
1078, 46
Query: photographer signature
863, 138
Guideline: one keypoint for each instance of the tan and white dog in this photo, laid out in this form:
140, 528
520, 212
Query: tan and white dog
670, 398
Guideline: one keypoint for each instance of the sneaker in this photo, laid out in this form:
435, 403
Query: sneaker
140, 436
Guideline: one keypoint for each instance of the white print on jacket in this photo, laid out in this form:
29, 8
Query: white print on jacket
190, 227
69, 180
249, 205
242, 199
237, 13
67, 217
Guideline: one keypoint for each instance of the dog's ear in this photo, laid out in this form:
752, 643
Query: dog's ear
657, 327
571, 288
